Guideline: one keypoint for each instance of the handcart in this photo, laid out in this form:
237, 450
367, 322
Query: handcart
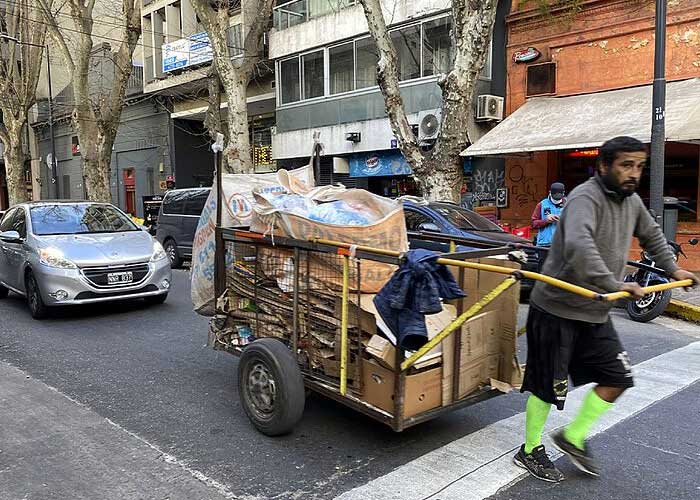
293, 310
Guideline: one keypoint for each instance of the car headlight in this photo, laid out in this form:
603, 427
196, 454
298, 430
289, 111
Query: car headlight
158, 252
53, 257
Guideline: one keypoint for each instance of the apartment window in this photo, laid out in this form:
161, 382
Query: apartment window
313, 74
407, 43
235, 40
289, 80
423, 49
437, 47
366, 55
341, 68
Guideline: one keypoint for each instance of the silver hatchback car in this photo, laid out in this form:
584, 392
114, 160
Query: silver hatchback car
60, 253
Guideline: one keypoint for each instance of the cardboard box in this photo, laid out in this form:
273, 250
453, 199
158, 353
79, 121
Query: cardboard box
331, 368
492, 367
422, 389
492, 332
472, 376
366, 320
382, 351
473, 339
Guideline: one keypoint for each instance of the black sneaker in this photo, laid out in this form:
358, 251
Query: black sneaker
538, 464
580, 458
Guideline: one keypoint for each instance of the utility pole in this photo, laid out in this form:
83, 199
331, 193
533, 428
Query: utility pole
54, 172
658, 124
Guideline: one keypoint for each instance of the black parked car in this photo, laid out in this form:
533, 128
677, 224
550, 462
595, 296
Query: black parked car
470, 230
177, 222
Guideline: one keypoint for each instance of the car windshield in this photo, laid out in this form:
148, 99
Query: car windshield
465, 219
81, 218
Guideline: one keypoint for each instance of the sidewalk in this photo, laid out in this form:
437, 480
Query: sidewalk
54, 448
685, 305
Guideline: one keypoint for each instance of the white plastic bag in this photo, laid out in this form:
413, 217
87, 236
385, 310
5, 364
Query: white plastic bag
238, 211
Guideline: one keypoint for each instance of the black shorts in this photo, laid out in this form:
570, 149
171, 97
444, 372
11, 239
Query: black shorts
559, 348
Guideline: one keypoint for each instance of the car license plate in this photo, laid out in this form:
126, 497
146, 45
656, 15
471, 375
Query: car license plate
120, 278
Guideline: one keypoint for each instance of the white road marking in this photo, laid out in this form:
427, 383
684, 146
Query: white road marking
480, 464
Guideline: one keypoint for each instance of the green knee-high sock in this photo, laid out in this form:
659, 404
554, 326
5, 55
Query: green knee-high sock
591, 410
536, 413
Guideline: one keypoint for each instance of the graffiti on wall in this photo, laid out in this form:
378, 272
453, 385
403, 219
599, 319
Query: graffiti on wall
524, 189
487, 180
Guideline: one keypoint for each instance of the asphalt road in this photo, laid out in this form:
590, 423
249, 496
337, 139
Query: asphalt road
148, 370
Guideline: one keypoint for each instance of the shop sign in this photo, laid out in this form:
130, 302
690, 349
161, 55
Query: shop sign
176, 55
200, 49
584, 153
379, 164
526, 55
187, 52
262, 155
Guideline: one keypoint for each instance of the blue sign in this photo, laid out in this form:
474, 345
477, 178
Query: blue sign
379, 164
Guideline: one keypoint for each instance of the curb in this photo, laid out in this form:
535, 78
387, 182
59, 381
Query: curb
683, 310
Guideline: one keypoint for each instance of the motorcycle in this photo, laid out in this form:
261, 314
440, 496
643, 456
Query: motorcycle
653, 304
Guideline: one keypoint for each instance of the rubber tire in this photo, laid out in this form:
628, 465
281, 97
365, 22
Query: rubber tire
40, 310
154, 300
652, 313
175, 260
290, 397
4, 292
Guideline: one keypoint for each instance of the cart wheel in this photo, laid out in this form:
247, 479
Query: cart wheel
271, 386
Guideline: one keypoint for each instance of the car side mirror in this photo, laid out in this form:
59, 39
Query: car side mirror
10, 237
429, 226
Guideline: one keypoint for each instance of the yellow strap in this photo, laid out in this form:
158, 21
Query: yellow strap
344, 327
449, 329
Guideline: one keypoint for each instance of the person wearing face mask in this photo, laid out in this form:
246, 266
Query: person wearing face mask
569, 336
547, 214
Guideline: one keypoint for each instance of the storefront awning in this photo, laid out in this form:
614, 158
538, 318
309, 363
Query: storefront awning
587, 121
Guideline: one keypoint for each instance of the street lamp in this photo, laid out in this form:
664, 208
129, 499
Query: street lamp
4, 36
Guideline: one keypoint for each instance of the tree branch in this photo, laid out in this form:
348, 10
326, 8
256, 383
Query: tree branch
56, 35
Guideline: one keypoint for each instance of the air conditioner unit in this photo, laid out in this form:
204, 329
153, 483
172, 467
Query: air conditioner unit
489, 107
428, 125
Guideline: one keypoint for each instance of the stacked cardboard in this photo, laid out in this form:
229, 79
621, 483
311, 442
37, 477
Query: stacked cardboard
488, 340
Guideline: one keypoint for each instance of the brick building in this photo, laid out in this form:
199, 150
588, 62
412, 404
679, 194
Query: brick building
576, 79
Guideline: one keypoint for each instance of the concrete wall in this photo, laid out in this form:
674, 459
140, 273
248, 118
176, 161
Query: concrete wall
346, 23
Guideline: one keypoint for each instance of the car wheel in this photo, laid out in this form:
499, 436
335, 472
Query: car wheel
37, 308
271, 386
3, 292
155, 300
173, 254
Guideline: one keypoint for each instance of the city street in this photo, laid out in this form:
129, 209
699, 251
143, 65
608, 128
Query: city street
126, 401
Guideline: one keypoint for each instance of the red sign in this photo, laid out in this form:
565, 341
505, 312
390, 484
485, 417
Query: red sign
584, 153
523, 232
526, 55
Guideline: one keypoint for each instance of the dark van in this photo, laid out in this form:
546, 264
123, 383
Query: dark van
177, 222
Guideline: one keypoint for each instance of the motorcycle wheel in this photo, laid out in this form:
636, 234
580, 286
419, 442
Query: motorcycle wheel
649, 307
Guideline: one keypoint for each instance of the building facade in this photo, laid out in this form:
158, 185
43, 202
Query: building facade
325, 65
177, 58
577, 80
141, 158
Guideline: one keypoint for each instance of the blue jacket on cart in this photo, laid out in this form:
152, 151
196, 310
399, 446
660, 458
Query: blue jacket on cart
413, 291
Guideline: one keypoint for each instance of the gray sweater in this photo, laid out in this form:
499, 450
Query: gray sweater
590, 249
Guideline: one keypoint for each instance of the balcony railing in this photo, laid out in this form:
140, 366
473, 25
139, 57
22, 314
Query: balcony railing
300, 11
